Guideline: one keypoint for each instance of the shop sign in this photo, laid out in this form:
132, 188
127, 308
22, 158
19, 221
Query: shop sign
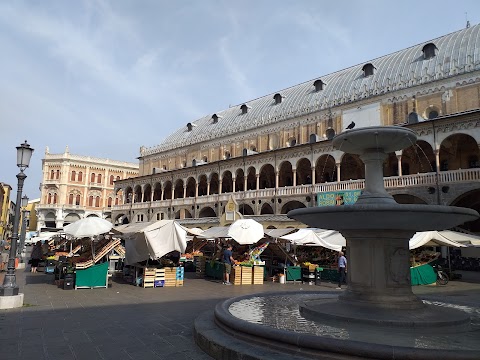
335, 198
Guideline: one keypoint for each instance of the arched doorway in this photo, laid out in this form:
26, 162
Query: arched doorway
267, 177
304, 172
292, 205
325, 169
285, 176
207, 212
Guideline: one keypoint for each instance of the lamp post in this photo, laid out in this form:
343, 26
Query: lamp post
23, 231
10, 287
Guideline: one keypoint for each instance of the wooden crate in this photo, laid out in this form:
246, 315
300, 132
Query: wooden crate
258, 274
236, 275
246, 275
179, 283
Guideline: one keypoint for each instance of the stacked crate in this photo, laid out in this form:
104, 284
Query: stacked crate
179, 276
200, 266
159, 277
258, 272
170, 276
148, 277
246, 275
236, 275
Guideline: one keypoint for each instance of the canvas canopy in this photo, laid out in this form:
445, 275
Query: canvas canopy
152, 241
215, 232
314, 237
278, 233
431, 238
465, 239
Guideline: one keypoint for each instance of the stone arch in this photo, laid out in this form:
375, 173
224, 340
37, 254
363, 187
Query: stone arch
92, 215
239, 180
227, 182
70, 218
207, 211
157, 191
251, 178
418, 158
178, 192
137, 196
120, 219
292, 205
267, 177
351, 168
214, 183
304, 172
469, 199
191, 187
147, 193
128, 194
266, 209
325, 169
50, 220
245, 209
459, 151
285, 176
202, 185
167, 190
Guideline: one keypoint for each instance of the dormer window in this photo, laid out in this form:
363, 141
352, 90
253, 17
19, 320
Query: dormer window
278, 98
429, 51
245, 108
368, 69
215, 118
319, 84
189, 127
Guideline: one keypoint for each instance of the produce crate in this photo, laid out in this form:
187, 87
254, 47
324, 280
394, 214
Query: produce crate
236, 275
258, 274
246, 275
200, 266
149, 277
179, 283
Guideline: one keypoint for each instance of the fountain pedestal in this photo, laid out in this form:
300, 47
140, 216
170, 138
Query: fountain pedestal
378, 230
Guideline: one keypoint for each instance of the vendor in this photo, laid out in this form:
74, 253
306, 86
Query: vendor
228, 261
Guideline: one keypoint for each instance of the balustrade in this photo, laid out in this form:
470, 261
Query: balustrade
392, 182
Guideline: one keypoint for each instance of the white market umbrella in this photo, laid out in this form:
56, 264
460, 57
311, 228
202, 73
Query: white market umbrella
246, 231
88, 227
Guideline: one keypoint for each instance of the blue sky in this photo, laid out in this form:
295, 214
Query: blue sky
106, 77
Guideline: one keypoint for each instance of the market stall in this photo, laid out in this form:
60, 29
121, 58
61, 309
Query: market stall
146, 248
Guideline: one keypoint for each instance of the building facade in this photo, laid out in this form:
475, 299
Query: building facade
274, 154
6, 220
76, 186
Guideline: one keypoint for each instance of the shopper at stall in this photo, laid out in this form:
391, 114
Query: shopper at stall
228, 261
36, 256
342, 269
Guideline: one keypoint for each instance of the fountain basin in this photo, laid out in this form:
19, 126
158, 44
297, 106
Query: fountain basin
271, 326
384, 138
412, 217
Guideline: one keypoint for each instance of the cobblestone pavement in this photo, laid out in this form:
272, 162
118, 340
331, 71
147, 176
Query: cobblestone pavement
128, 322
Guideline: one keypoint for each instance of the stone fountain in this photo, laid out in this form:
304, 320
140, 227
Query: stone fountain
379, 302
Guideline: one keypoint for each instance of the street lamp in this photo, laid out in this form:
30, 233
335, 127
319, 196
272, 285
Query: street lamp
23, 231
10, 287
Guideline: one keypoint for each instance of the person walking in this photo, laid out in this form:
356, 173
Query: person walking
227, 259
36, 256
342, 269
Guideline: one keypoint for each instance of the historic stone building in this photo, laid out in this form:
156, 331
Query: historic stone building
274, 154
76, 186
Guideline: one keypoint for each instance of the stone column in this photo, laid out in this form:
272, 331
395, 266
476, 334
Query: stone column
245, 183
196, 190
257, 176
313, 175
437, 159
208, 188
184, 191
276, 179
220, 182
399, 164
338, 171
234, 184
294, 171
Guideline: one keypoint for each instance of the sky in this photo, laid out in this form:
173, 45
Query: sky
107, 77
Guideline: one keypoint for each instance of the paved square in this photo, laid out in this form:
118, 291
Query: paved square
128, 322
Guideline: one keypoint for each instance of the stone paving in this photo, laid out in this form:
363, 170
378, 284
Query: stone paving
128, 322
